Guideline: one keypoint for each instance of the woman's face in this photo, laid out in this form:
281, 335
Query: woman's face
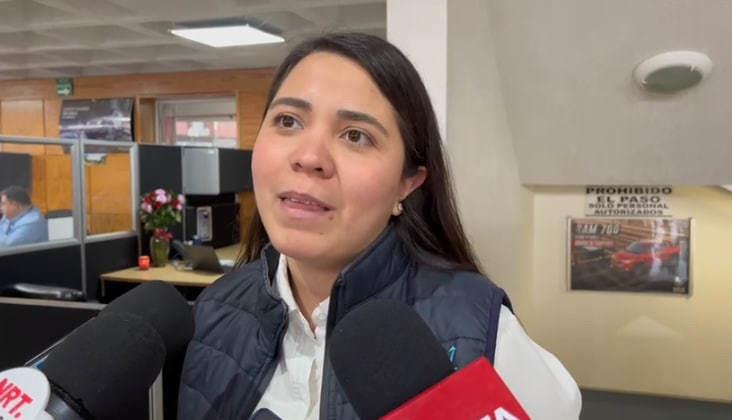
328, 162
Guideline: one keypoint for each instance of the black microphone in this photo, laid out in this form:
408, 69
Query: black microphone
103, 367
157, 303
391, 366
96, 372
108, 363
161, 305
384, 354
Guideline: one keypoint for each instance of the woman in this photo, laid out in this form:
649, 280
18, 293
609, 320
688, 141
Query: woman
354, 202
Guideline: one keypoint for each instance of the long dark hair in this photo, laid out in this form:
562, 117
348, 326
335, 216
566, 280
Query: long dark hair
429, 226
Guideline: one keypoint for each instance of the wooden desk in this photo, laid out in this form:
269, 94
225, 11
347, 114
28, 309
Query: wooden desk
169, 274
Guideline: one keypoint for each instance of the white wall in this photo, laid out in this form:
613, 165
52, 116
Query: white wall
649, 343
577, 115
455, 58
495, 208
419, 29
655, 344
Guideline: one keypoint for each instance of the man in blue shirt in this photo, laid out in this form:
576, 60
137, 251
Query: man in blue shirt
21, 223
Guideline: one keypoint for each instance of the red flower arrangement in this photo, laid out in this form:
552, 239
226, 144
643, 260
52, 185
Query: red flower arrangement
159, 210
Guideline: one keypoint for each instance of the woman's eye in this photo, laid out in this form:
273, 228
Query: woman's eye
358, 137
287, 121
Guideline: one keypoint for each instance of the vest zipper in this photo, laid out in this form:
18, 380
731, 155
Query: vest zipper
268, 370
332, 314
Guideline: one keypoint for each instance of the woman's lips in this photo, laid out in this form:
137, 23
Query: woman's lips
303, 206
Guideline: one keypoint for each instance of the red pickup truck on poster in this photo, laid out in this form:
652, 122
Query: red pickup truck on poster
639, 256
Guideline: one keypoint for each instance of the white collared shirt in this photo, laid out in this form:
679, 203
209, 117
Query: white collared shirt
538, 379
294, 392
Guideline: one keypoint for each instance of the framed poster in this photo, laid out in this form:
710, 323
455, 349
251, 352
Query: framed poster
630, 255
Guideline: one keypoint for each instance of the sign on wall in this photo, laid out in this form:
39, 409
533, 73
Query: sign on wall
96, 119
627, 201
64, 86
630, 255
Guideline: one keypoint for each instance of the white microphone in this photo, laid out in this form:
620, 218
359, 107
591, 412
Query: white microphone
24, 394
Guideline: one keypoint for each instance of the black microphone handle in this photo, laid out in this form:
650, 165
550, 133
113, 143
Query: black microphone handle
62, 407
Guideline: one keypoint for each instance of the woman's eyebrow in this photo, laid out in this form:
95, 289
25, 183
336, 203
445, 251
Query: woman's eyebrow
343, 114
362, 117
293, 102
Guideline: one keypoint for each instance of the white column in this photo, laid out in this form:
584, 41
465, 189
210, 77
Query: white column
495, 208
419, 29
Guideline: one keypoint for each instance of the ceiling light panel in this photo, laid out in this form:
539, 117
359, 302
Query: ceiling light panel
228, 36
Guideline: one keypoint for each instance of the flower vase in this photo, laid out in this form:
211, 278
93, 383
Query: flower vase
159, 251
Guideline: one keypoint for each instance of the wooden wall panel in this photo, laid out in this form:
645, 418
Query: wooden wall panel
149, 85
52, 116
109, 222
250, 108
30, 149
39, 183
52, 182
27, 89
109, 194
59, 185
145, 120
34, 109
246, 211
250, 85
22, 118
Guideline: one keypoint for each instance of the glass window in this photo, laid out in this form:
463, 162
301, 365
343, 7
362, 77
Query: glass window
108, 190
36, 193
201, 122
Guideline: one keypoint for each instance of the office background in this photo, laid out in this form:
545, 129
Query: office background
535, 99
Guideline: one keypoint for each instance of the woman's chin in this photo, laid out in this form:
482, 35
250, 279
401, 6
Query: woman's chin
302, 247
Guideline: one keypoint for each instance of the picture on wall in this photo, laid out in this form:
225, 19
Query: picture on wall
96, 119
630, 255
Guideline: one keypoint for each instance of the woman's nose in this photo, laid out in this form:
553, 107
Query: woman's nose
312, 157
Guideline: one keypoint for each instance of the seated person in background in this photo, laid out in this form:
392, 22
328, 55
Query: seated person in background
21, 222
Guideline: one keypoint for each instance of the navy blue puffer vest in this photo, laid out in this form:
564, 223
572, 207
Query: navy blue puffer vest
240, 322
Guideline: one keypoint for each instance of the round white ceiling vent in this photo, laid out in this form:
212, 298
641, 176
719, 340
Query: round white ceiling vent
672, 71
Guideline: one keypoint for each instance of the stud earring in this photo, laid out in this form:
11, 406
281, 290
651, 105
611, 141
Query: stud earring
399, 209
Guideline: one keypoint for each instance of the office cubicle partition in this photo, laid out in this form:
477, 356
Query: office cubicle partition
15, 169
57, 265
93, 184
108, 254
88, 191
160, 166
29, 326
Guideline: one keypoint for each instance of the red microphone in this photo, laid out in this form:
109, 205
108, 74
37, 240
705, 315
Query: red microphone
474, 392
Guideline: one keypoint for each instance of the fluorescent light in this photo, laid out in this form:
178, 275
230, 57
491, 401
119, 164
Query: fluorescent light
228, 36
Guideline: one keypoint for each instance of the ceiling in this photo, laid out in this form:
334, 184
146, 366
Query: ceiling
58, 38
576, 115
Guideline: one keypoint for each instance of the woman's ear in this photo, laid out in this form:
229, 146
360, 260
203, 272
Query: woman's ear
412, 182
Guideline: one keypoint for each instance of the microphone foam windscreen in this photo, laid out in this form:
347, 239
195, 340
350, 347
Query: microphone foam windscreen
107, 364
161, 305
383, 354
